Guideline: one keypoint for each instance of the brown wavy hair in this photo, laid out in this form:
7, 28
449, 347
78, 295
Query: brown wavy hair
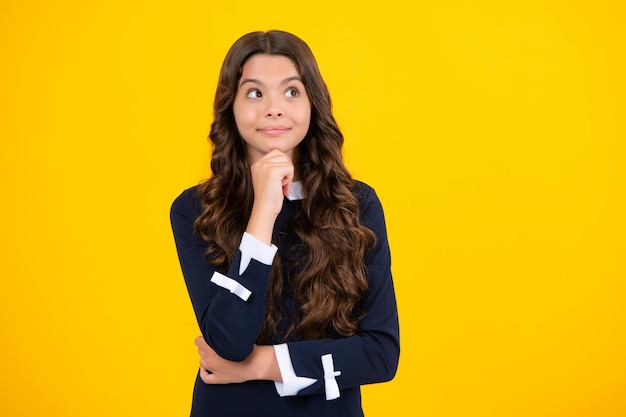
329, 272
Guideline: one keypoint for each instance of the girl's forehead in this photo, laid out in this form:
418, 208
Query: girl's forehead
270, 63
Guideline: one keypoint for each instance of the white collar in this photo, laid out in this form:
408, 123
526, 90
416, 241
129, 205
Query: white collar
295, 193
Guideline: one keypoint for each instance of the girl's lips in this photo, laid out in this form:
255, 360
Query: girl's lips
274, 130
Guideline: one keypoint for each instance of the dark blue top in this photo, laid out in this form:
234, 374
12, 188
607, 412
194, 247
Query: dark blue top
231, 325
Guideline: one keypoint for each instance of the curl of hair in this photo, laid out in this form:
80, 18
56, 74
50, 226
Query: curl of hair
329, 272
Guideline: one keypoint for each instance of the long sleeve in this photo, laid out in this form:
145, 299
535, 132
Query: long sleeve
330, 365
229, 307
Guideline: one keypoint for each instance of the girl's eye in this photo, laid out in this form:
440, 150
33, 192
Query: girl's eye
253, 94
292, 92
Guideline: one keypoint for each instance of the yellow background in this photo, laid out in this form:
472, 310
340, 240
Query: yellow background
493, 132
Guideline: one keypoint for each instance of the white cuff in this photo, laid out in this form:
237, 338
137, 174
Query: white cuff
253, 248
291, 383
330, 383
231, 285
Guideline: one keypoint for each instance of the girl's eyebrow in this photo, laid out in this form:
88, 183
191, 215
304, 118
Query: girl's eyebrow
258, 82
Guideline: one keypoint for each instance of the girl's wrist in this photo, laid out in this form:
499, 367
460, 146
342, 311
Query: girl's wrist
261, 226
264, 364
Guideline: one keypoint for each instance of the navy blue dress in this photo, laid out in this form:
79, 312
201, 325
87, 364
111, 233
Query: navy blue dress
230, 323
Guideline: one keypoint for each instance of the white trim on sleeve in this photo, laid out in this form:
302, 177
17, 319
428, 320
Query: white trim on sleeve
253, 248
330, 383
291, 383
231, 285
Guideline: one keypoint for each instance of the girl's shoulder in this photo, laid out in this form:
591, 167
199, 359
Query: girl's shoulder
188, 202
370, 208
364, 193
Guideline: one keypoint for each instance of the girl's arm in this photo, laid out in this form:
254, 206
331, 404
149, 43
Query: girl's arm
260, 365
230, 307
369, 356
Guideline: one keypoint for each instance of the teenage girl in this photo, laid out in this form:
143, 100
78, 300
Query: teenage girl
284, 255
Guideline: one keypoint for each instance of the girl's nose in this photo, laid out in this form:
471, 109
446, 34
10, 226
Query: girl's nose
274, 108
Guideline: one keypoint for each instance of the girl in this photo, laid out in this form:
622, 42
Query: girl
284, 255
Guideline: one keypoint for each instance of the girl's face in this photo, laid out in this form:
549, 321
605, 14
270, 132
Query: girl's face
272, 109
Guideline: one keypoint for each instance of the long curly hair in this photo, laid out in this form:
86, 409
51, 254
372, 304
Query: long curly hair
329, 276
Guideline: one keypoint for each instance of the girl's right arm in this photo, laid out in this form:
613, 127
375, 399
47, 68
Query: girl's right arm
230, 308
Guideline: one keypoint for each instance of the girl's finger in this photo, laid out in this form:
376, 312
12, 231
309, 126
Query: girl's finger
206, 376
286, 186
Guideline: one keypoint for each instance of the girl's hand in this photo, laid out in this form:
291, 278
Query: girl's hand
272, 176
261, 364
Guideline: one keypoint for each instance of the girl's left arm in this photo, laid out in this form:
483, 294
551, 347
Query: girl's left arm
326, 366
369, 356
